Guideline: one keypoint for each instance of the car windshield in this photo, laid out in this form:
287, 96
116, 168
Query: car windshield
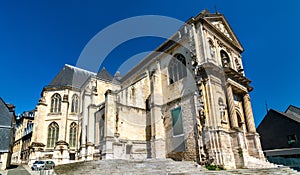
38, 162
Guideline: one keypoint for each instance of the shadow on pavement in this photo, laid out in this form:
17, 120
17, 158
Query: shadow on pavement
12, 167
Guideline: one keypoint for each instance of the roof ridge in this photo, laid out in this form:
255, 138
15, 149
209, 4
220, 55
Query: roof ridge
289, 115
105, 74
80, 69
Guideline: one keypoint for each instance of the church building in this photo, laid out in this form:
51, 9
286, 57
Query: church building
188, 100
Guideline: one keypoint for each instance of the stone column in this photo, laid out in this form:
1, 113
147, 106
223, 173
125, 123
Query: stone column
231, 106
92, 109
249, 114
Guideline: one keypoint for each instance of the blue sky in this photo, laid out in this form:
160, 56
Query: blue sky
39, 37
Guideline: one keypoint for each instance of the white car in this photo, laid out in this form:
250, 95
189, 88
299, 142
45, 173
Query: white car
43, 165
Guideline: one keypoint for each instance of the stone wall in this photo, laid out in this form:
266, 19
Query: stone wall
189, 127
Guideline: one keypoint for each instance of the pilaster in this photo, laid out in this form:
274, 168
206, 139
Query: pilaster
157, 126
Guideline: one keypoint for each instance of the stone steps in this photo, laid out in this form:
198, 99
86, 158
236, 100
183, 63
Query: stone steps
156, 167
257, 163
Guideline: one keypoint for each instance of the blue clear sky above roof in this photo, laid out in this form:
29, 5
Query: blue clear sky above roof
39, 37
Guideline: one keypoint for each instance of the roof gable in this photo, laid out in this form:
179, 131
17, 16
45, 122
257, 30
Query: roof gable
220, 24
279, 115
105, 75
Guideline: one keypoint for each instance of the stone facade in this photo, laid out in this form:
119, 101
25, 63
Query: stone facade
188, 100
23, 134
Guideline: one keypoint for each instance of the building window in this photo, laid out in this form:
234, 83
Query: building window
53, 130
55, 103
292, 139
177, 68
73, 133
75, 104
237, 98
225, 59
177, 122
101, 127
239, 120
72, 156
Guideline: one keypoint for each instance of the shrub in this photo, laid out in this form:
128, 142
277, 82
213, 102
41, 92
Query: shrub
214, 167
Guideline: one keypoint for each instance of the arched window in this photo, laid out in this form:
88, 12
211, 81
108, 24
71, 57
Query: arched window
239, 120
211, 49
73, 133
177, 68
53, 131
225, 59
75, 104
55, 103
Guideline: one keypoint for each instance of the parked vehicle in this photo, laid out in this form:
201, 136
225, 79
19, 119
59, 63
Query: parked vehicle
43, 165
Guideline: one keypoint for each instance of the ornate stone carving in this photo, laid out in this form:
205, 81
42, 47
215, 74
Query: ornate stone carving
221, 27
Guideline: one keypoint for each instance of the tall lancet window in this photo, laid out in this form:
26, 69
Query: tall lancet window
53, 131
177, 68
73, 133
75, 104
55, 103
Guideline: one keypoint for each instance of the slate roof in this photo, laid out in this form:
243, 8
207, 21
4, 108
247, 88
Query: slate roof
293, 110
75, 77
290, 116
71, 76
5, 115
105, 75
5, 126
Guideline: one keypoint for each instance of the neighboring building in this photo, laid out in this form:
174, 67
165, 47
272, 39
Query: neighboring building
280, 134
23, 134
7, 121
191, 102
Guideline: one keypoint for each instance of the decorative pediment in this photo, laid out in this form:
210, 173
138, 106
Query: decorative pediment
222, 27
